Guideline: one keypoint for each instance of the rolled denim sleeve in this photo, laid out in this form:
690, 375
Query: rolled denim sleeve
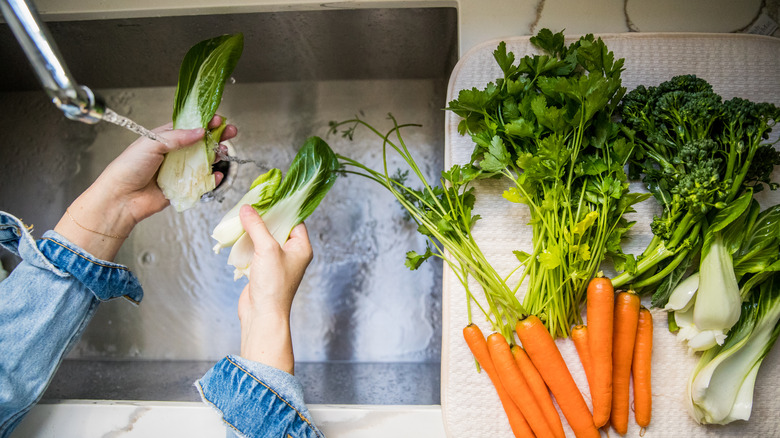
257, 400
45, 304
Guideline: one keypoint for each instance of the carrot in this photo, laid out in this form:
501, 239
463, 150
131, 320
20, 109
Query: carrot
516, 385
623, 337
539, 389
640, 368
478, 346
600, 314
541, 348
579, 335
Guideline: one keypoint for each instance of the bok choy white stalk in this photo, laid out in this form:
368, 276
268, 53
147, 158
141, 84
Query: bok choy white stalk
705, 317
720, 389
282, 205
185, 174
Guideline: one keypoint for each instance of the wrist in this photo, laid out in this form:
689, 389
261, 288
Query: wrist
97, 223
267, 339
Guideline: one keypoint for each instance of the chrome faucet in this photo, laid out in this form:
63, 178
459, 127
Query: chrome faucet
76, 101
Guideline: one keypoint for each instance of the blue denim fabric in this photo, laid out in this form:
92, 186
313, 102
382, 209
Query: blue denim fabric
45, 304
256, 400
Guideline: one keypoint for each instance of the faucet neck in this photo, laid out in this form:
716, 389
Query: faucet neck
76, 102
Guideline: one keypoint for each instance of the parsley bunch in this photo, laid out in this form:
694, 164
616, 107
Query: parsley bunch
547, 127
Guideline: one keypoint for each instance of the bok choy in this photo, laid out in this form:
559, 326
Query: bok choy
282, 203
741, 248
185, 174
720, 389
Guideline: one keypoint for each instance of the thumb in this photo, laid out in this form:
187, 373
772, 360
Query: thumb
255, 227
181, 138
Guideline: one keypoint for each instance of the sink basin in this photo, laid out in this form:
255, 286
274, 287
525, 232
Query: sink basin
366, 330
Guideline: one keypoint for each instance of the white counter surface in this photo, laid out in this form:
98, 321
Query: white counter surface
96, 419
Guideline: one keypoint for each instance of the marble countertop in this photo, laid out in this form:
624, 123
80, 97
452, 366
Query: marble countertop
481, 20
104, 419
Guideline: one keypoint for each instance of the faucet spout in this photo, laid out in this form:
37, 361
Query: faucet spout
77, 102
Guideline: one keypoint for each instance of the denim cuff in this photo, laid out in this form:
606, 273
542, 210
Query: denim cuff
106, 280
12, 232
257, 400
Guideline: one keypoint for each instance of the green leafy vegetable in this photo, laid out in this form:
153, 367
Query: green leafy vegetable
282, 204
185, 174
547, 127
444, 215
737, 256
698, 154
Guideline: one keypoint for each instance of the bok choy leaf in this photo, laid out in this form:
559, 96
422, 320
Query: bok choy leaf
282, 205
185, 174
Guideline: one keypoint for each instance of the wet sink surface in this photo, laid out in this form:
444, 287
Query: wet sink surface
365, 329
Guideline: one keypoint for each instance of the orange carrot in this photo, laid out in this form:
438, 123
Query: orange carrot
478, 346
640, 368
579, 335
600, 314
541, 348
623, 337
539, 389
516, 385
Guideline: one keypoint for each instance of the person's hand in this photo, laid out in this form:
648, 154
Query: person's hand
131, 178
126, 192
265, 303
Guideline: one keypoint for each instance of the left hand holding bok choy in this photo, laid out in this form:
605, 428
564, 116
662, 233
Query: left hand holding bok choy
125, 193
282, 203
186, 174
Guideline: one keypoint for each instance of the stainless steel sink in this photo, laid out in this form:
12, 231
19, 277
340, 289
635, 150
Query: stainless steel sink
366, 330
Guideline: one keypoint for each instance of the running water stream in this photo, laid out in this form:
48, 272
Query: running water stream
111, 116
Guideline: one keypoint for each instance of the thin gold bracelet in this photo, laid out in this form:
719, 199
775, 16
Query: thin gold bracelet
113, 236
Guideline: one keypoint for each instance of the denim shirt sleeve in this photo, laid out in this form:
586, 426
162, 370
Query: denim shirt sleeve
256, 400
45, 304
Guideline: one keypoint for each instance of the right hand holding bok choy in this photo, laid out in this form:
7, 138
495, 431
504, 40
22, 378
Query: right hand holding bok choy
265, 303
282, 203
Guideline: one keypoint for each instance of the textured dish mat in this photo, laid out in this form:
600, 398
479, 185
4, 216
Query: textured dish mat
736, 65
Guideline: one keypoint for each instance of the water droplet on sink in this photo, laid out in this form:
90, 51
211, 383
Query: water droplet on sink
147, 258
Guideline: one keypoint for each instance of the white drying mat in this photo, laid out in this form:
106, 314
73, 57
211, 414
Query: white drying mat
736, 65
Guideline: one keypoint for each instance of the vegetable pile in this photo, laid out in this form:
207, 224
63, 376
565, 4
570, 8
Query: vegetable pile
551, 127
547, 127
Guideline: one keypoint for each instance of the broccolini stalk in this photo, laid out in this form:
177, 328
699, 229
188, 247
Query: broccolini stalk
185, 174
444, 215
546, 127
698, 154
